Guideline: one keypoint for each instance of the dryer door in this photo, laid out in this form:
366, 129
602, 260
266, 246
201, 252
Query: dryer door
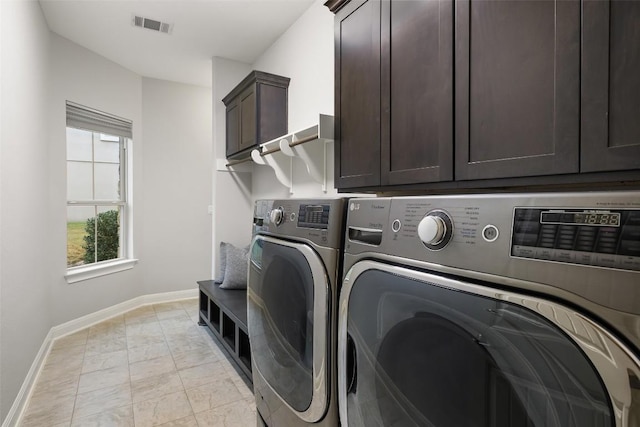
417, 349
288, 296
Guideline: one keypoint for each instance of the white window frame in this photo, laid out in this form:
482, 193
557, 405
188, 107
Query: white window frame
125, 261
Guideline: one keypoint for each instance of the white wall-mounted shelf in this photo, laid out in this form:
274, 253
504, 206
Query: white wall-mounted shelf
308, 144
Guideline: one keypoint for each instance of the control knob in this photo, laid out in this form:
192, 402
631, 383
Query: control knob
435, 229
277, 215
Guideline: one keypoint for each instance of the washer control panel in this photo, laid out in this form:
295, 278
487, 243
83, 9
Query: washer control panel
582, 229
586, 244
593, 236
435, 229
436, 225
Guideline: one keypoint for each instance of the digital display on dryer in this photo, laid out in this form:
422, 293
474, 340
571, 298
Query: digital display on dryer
610, 219
313, 216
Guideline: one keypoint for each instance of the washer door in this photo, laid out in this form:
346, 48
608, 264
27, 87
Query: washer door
417, 349
288, 296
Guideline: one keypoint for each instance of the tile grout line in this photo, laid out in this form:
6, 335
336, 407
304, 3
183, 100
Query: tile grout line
126, 335
164, 337
177, 371
75, 400
130, 380
84, 358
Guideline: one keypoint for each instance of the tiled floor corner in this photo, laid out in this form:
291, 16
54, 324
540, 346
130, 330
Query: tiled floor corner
152, 366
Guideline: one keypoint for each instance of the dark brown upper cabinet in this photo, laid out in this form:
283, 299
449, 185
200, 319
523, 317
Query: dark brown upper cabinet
417, 91
517, 79
394, 92
357, 95
610, 86
435, 94
256, 112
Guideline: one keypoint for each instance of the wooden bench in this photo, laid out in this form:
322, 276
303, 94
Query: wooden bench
224, 311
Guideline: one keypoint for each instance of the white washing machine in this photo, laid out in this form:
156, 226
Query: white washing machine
489, 311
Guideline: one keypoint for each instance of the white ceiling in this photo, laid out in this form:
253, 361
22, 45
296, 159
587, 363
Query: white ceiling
240, 30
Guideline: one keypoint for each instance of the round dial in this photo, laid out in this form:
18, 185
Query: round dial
435, 229
431, 229
277, 215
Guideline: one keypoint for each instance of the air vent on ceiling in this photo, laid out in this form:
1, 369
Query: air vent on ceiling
152, 24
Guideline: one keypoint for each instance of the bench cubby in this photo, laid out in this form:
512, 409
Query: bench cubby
224, 311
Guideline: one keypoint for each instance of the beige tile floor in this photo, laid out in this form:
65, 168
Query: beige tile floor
152, 366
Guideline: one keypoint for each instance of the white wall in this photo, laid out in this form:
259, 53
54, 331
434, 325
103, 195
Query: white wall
226, 74
176, 183
25, 272
81, 76
304, 53
171, 185
233, 207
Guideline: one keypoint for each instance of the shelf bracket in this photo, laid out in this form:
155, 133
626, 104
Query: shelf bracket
282, 166
308, 144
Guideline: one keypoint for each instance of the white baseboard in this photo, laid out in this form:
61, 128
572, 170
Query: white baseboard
15, 413
19, 404
118, 309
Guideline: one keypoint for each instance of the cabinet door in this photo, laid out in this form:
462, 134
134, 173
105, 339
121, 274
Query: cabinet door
357, 98
610, 86
517, 88
247, 119
417, 92
233, 128
271, 107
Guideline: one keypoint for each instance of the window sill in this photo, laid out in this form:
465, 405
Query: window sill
79, 274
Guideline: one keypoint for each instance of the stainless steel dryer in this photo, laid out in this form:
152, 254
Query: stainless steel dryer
293, 280
498, 310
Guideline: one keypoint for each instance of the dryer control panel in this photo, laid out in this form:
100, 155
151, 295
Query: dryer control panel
320, 221
596, 237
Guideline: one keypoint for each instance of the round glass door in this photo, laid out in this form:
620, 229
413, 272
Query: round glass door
286, 285
416, 353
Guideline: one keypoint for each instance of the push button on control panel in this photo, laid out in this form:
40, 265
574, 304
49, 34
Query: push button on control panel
490, 233
396, 225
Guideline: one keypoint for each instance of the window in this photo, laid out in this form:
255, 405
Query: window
97, 206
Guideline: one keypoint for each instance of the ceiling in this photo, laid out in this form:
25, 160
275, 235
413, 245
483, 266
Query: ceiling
240, 30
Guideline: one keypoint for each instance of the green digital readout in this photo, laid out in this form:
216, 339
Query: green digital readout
598, 219
611, 219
